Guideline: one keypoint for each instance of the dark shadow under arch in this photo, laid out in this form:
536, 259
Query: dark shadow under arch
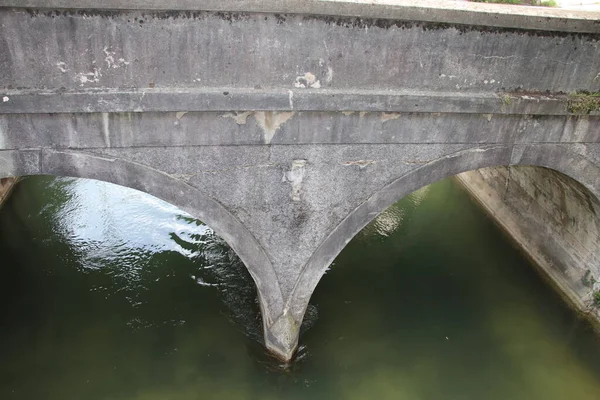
555, 156
180, 194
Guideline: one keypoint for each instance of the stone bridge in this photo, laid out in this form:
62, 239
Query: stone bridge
287, 126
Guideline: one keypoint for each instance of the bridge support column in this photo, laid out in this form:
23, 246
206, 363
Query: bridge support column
282, 333
281, 337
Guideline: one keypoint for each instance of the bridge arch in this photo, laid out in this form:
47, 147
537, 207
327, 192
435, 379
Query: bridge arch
554, 156
163, 186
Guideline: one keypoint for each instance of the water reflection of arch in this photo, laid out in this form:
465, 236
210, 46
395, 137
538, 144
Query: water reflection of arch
167, 188
558, 157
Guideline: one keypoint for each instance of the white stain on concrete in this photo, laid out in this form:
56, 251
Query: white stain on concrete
89, 77
291, 98
271, 121
111, 61
329, 75
295, 176
494, 57
140, 105
106, 129
62, 66
308, 80
5, 99
2, 136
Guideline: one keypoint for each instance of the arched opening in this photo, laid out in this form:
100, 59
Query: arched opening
97, 275
440, 304
169, 189
554, 156
564, 159
127, 242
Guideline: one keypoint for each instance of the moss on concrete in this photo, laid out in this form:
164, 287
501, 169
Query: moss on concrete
583, 102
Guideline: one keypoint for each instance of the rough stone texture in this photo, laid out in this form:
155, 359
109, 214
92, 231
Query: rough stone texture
286, 128
553, 218
136, 49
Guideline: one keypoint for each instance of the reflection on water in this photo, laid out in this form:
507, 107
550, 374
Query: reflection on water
107, 293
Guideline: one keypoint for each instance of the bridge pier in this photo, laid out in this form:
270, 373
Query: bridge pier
281, 338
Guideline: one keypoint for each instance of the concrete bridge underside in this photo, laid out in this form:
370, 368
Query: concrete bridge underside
288, 126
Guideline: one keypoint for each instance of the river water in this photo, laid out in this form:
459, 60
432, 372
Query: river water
109, 294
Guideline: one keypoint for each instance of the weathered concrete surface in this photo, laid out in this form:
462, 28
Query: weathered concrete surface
136, 49
288, 133
554, 219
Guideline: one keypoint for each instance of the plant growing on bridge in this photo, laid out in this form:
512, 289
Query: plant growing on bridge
588, 280
506, 101
583, 102
597, 298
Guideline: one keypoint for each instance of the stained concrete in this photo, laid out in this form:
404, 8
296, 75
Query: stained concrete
287, 127
553, 218
136, 49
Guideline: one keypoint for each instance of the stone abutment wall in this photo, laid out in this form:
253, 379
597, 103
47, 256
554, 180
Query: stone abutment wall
553, 218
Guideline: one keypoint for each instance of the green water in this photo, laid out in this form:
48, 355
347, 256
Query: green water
107, 293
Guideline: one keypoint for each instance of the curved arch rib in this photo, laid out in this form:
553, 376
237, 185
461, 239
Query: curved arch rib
176, 192
555, 156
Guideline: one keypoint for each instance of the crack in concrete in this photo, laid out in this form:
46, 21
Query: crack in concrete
360, 163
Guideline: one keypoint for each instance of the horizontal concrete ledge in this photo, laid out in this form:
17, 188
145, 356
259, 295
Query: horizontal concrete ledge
451, 12
235, 99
